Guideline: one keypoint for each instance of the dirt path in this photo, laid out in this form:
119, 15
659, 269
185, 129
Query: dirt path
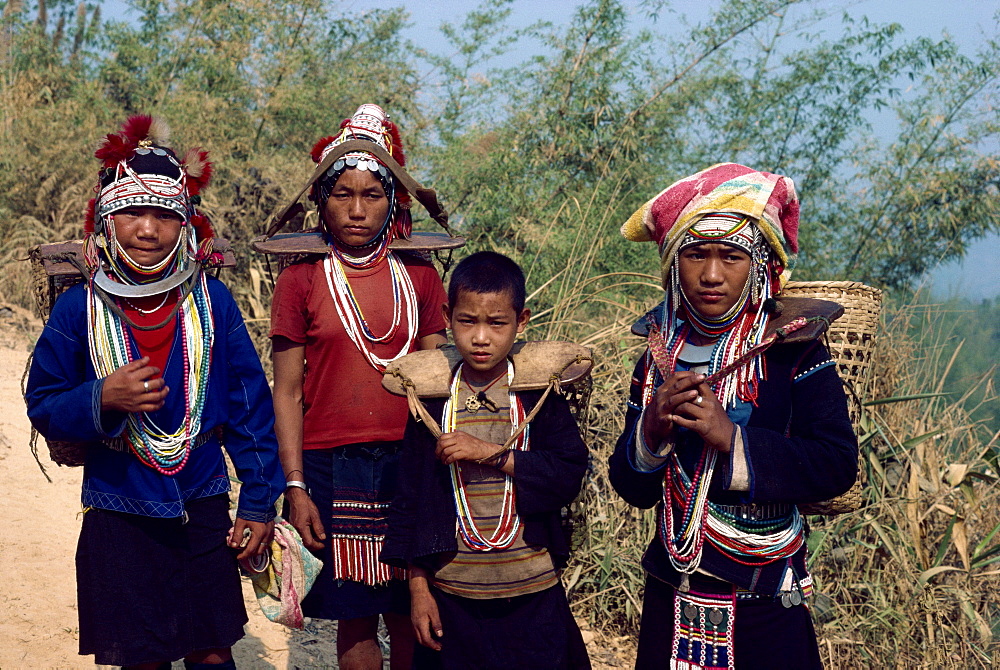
38, 618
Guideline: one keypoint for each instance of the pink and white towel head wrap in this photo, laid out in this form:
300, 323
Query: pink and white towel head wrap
768, 199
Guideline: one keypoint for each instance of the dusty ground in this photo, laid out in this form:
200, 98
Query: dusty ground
38, 619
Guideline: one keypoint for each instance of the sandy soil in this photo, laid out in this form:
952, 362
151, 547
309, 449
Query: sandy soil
38, 618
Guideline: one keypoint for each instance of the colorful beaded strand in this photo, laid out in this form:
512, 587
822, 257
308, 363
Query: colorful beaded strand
509, 523
350, 315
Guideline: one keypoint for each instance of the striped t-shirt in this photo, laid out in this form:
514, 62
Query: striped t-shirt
518, 570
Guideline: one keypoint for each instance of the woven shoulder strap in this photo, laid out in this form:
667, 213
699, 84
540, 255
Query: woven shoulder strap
537, 366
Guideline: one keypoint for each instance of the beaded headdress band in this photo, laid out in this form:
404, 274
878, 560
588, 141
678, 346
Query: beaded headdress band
140, 171
725, 227
370, 123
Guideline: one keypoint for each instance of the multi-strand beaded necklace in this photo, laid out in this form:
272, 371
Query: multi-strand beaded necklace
111, 346
509, 523
349, 310
736, 333
745, 540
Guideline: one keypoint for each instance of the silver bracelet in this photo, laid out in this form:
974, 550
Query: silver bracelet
297, 484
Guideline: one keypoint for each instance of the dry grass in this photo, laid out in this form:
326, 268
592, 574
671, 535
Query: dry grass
914, 577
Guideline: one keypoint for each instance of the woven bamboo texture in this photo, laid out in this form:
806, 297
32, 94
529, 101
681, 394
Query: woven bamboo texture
852, 342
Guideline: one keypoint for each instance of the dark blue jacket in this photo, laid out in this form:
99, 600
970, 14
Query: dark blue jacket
547, 477
800, 447
64, 403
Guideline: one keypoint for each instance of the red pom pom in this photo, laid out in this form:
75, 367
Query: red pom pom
114, 149
319, 147
90, 219
202, 227
137, 128
199, 170
396, 150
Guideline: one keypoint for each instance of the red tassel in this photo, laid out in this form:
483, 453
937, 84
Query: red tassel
120, 146
113, 150
199, 169
90, 219
137, 128
396, 149
202, 227
319, 147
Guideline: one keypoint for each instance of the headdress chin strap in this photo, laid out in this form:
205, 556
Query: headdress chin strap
426, 196
106, 284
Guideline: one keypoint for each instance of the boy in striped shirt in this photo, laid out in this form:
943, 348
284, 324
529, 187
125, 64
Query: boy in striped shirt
478, 526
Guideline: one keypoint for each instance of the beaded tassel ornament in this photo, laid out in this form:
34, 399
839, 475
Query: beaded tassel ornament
703, 631
509, 523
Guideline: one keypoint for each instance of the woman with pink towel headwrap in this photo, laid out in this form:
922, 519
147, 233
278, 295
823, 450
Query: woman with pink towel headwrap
725, 433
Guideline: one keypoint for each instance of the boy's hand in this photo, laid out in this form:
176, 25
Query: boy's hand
424, 610
707, 418
259, 538
677, 389
134, 387
460, 446
304, 516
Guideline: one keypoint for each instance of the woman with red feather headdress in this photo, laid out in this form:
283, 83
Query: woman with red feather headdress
336, 321
149, 363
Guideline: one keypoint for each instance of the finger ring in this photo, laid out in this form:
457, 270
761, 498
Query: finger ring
698, 401
145, 387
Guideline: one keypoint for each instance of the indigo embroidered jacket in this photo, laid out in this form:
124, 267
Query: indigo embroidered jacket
64, 404
799, 446
547, 477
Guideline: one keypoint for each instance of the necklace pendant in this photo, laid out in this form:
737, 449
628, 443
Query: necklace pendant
472, 404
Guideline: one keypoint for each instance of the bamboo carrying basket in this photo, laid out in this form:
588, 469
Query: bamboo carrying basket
852, 340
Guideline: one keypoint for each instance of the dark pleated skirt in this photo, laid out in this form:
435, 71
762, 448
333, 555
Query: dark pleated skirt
366, 472
530, 632
154, 590
766, 635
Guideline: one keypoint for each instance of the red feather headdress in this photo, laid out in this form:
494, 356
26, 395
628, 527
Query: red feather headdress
143, 130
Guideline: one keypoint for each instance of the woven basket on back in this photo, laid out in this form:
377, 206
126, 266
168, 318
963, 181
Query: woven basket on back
852, 346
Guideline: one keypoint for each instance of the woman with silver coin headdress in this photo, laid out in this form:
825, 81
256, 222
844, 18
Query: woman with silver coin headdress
148, 363
337, 319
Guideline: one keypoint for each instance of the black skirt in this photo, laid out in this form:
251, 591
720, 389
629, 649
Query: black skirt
365, 473
765, 634
154, 590
530, 632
